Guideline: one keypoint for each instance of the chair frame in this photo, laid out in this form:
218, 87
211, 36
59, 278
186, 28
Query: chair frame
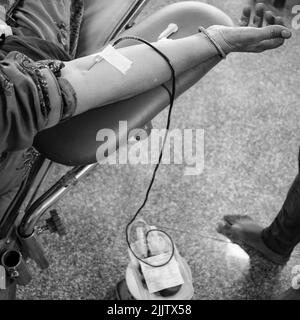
19, 229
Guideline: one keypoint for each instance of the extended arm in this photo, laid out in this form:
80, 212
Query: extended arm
35, 96
104, 84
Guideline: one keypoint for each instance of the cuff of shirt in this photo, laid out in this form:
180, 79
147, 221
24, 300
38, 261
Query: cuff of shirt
61, 93
69, 99
55, 98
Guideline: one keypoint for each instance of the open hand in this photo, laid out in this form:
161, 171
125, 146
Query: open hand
252, 36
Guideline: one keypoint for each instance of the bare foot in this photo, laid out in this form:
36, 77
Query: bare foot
243, 230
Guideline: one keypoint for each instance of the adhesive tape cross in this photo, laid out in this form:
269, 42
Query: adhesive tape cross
116, 59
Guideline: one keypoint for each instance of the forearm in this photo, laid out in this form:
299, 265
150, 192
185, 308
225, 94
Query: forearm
104, 84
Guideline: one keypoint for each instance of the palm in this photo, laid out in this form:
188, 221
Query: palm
252, 36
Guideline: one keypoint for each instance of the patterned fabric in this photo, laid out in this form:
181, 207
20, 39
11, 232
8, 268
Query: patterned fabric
77, 9
26, 106
32, 92
8, 5
69, 31
69, 99
33, 69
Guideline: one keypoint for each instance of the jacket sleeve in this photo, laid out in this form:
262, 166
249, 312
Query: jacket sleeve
31, 99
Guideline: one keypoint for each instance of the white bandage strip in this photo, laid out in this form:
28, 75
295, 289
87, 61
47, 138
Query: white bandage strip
115, 58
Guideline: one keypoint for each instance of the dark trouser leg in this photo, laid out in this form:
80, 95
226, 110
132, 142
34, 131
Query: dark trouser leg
284, 233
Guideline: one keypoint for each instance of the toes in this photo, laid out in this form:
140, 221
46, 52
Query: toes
245, 18
270, 18
233, 219
229, 231
224, 228
258, 19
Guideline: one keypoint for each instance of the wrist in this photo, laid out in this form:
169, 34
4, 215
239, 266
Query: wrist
213, 42
218, 35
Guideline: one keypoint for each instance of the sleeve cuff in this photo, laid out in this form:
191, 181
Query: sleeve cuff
55, 98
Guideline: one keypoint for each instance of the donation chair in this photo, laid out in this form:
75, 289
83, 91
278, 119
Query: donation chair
73, 143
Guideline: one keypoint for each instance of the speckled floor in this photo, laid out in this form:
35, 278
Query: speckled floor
249, 109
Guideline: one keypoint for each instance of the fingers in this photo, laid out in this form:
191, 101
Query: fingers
260, 14
270, 44
224, 228
227, 230
279, 21
274, 32
258, 19
270, 19
274, 37
245, 18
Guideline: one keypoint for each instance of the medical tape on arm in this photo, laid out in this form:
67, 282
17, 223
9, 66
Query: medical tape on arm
114, 58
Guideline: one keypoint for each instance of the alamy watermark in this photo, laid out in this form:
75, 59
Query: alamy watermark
296, 18
182, 147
